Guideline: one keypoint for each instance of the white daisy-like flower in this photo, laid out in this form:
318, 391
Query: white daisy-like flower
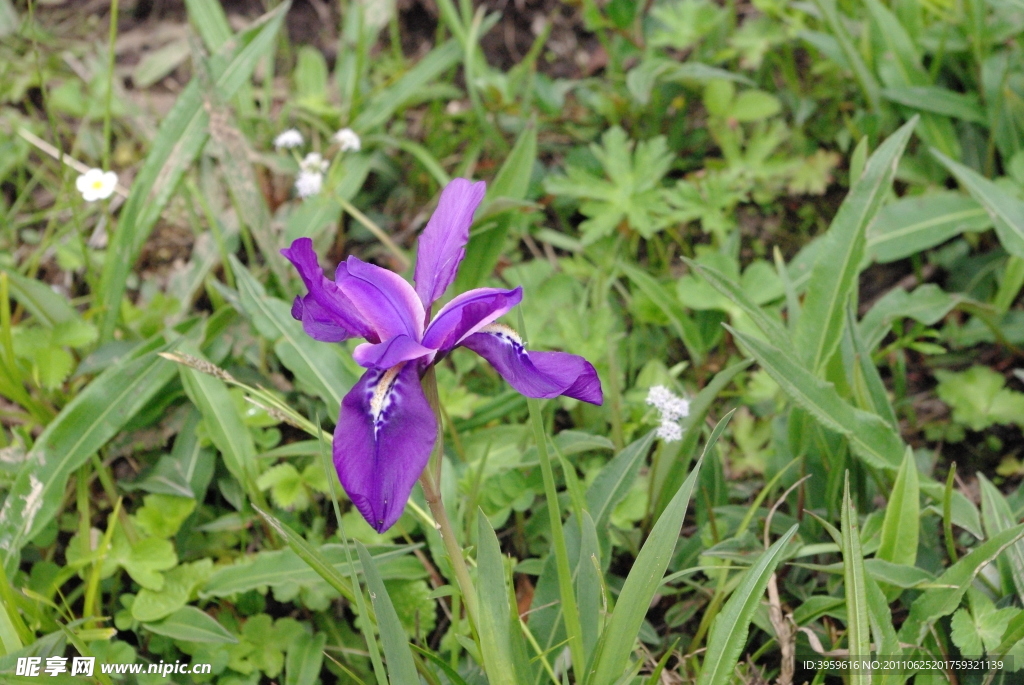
672, 408
314, 162
96, 184
308, 183
348, 140
288, 139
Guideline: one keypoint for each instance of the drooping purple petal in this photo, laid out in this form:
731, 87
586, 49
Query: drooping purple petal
443, 242
383, 441
392, 351
317, 322
325, 312
468, 313
536, 374
382, 298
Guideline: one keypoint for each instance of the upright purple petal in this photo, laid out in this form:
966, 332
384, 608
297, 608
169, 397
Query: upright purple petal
396, 350
468, 313
536, 374
443, 242
383, 441
382, 298
326, 313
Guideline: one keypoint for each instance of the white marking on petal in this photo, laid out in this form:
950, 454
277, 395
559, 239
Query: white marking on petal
503, 331
382, 397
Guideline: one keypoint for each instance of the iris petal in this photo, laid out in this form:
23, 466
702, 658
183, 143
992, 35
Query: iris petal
536, 374
443, 242
393, 351
383, 298
326, 313
468, 313
383, 441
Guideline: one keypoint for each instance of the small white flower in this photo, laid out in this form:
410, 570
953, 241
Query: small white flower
288, 139
314, 163
348, 140
96, 184
670, 431
308, 183
672, 408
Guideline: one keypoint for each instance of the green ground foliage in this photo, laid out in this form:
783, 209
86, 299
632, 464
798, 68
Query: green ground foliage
805, 218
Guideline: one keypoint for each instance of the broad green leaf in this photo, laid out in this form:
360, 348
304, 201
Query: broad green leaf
181, 137
223, 422
397, 654
943, 600
615, 479
45, 305
210, 21
773, 330
858, 628
834, 276
611, 659
304, 660
588, 586
729, 630
316, 365
938, 100
754, 105
285, 570
495, 617
1006, 211
887, 643
902, 516
82, 427
868, 387
871, 438
997, 517
928, 304
143, 560
179, 585
979, 398
190, 624
914, 224
162, 515
981, 629
310, 77
10, 641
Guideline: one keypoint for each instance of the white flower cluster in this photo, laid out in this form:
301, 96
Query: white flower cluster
311, 175
96, 184
672, 408
348, 140
289, 139
313, 166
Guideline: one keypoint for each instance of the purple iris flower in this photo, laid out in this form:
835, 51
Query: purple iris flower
386, 430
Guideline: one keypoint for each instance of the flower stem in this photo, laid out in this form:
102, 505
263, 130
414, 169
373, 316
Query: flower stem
429, 480
451, 544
